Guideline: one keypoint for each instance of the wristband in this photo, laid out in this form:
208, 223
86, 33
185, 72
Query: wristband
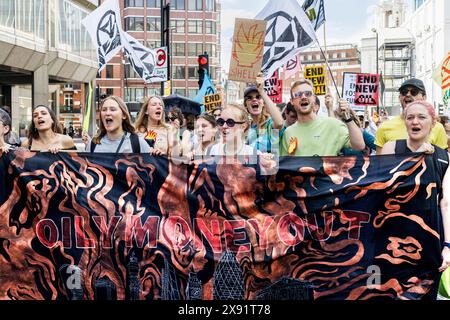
349, 120
447, 244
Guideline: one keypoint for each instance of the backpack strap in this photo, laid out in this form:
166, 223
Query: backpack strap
135, 144
401, 147
441, 159
93, 146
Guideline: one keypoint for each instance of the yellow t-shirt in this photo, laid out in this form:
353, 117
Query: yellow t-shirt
395, 129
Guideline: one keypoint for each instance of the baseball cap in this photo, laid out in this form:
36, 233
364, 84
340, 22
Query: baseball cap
413, 82
249, 90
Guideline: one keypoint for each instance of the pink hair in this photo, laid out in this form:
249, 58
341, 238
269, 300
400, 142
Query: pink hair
427, 105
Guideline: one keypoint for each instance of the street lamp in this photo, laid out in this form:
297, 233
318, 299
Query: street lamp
374, 30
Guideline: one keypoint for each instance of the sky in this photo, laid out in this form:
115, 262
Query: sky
347, 21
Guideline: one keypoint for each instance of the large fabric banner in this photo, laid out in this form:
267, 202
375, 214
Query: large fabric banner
103, 226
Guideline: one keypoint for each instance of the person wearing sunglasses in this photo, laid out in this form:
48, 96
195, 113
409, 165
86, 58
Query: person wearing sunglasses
233, 125
395, 129
318, 136
265, 116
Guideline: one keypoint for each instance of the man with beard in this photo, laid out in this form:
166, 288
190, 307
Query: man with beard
395, 129
318, 136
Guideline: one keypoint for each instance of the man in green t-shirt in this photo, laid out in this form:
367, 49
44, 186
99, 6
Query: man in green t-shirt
395, 129
318, 136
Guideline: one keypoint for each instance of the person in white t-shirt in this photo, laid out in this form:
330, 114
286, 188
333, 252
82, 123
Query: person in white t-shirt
233, 125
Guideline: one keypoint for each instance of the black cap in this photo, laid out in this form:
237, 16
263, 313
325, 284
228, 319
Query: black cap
249, 90
416, 83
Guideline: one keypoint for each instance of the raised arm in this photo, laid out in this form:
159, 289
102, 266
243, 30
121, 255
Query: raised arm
272, 109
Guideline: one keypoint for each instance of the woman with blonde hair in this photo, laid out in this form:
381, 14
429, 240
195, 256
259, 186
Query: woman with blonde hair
116, 133
234, 124
150, 124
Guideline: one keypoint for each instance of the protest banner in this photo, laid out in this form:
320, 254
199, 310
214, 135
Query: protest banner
247, 52
317, 75
274, 88
212, 102
142, 228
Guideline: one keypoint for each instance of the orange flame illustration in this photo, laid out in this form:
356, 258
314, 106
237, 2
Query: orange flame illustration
248, 46
151, 135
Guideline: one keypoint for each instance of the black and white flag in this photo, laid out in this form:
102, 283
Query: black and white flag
104, 26
149, 64
315, 10
288, 32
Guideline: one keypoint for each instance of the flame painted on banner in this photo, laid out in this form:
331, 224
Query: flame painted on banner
140, 227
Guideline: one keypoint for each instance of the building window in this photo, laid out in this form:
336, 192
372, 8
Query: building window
210, 5
109, 71
177, 5
109, 91
195, 5
193, 72
179, 49
153, 23
179, 91
179, 72
153, 4
418, 3
193, 93
153, 44
210, 27
68, 99
134, 3
178, 25
134, 24
130, 73
134, 95
195, 26
211, 49
195, 49
153, 92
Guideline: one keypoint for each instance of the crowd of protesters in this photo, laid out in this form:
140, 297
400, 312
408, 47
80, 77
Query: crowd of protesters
259, 130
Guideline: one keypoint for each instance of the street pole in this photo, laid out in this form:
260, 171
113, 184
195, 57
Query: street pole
162, 2
377, 65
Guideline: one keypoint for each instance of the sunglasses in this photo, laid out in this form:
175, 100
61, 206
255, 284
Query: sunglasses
230, 122
414, 91
299, 94
253, 97
172, 118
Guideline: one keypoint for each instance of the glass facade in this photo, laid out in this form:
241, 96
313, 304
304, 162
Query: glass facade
26, 17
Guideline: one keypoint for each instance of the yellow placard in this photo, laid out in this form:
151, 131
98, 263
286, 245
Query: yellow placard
212, 102
317, 75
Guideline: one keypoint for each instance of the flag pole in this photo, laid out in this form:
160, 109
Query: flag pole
326, 59
325, 44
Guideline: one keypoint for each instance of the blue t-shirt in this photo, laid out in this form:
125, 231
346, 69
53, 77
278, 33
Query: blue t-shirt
263, 139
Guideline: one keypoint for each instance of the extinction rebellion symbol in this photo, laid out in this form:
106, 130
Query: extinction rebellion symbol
108, 34
284, 34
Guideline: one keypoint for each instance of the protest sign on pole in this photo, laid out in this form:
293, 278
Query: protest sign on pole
212, 102
360, 90
274, 88
367, 89
317, 75
247, 53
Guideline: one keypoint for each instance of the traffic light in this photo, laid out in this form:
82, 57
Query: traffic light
203, 67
